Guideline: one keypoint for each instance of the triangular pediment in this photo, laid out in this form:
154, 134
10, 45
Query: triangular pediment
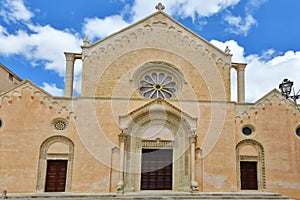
17, 90
157, 105
272, 96
28, 91
159, 20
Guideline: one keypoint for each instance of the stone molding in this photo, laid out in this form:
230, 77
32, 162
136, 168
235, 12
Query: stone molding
182, 126
44, 156
260, 159
37, 93
124, 120
161, 22
273, 98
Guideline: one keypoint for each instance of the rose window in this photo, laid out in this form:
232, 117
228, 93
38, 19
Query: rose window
59, 124
157, 85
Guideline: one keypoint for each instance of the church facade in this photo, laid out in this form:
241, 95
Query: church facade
154, 113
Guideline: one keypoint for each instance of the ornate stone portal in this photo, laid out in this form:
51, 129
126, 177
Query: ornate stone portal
158, 125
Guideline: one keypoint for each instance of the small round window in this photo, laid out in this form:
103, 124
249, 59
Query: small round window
59, 124
298, 131
247, 130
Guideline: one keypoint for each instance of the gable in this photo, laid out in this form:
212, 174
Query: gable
272, 99
32, 95
157, 38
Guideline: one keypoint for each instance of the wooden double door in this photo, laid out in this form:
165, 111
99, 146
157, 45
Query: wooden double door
248, 175
56, 175
157, 167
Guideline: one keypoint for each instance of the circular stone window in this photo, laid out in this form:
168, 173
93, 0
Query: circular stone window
59, 124
247, 130
298, 131
158, 80
156, 85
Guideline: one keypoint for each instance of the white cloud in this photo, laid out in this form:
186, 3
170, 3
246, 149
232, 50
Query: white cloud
252, 5
238, 25
99, 28
264, 72
44, 44
182, 8
14, 10
235, 49
52, 89
3, 30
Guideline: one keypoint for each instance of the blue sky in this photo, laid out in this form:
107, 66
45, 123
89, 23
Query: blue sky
263, 33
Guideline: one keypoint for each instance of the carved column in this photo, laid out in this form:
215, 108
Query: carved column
240, 68
122, 138
194, 184
70, 59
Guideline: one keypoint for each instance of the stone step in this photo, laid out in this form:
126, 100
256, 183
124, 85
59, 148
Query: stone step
149, 196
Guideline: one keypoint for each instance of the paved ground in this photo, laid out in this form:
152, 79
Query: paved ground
148, 195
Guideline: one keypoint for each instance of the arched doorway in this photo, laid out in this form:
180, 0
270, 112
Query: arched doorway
250, 165
162, 133
55, 165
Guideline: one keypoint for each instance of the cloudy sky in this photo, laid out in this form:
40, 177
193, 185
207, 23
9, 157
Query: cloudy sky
263, 33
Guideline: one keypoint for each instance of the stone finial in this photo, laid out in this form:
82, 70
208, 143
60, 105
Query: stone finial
159, 7
86, 41
227, 51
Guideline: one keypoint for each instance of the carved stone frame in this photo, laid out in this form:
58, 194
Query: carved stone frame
158, 112
260, 159
44, 156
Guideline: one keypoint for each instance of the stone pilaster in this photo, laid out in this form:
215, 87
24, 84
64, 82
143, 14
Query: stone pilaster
122, 138
194, 184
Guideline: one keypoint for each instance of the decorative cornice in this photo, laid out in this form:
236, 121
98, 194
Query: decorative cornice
273, 98
162, 22
158, 101
36, 92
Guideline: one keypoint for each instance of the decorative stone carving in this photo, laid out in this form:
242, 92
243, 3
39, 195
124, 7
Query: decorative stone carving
159, 7
194, 186
193, 138
86, 42
120, 188
158, 143
36, 93
259, 106
227, 51
163, 23
123, 137
158, 80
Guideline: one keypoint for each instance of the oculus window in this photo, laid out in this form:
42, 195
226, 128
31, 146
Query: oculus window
158, 80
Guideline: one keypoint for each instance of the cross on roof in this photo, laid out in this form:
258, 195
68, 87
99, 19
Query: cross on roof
159, 7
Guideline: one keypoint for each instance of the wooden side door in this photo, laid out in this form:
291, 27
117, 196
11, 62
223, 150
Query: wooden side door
157, 169
56, 175
248, 175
